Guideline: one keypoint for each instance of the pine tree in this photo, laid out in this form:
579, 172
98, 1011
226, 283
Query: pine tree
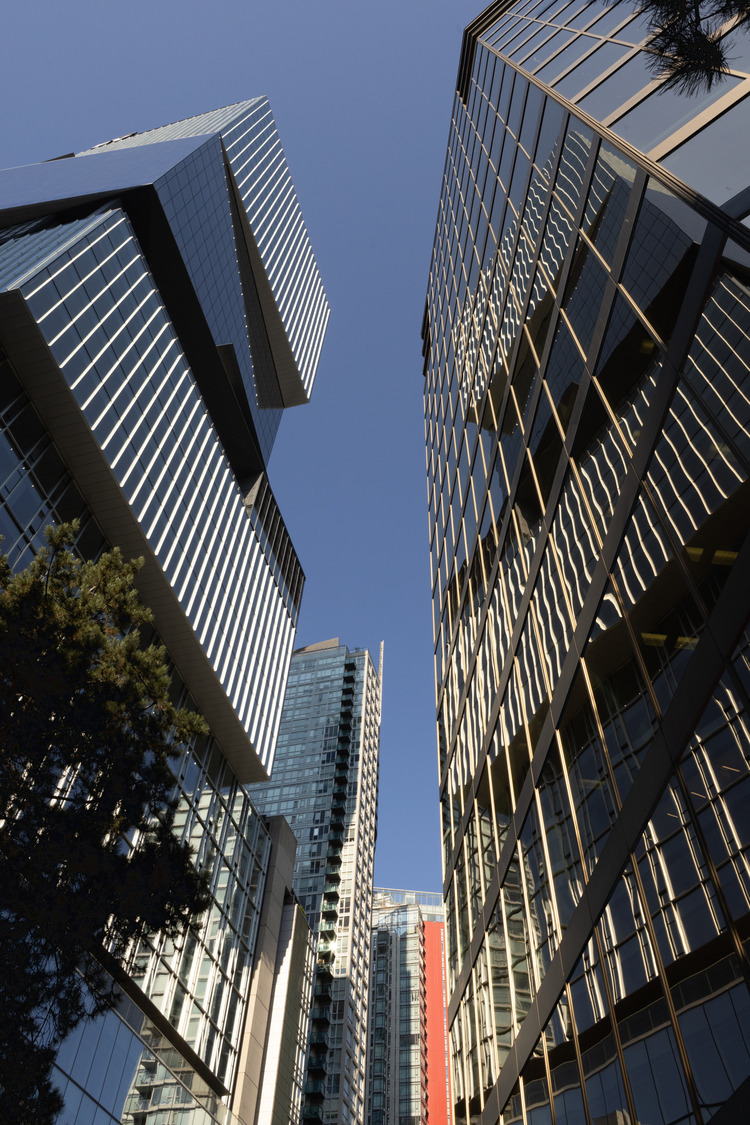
88, 860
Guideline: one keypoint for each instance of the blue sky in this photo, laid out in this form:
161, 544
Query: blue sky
362, 96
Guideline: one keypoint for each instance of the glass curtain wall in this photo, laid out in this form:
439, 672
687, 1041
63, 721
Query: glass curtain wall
199, 983
587, 408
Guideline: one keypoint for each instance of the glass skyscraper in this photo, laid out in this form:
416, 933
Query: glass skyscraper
160, 305
325, 782
587, 406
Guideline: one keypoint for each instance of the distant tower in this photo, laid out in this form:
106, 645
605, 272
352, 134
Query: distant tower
325, 782
407, 1044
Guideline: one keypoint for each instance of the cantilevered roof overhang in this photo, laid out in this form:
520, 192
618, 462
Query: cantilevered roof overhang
61, 415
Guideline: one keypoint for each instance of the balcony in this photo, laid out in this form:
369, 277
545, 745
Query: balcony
312, 1113
319, 1039
321, 1013
315, 1089
317, 1063
326, 950
322, 991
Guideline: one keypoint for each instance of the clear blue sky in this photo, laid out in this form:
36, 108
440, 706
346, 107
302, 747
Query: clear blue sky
362, 95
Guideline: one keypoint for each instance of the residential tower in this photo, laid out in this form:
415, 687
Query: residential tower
325, 782
407, 1045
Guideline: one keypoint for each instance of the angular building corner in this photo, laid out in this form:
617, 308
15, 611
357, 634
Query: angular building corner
587, 403
325, 782
160, 306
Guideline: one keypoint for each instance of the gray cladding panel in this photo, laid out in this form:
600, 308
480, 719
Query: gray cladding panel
86, 177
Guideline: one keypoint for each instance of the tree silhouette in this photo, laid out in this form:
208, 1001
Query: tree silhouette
688, 47
88, 860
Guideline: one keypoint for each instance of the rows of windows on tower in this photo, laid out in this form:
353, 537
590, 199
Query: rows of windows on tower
325, 781
160, 306
586, 358
407, 1075
587, 391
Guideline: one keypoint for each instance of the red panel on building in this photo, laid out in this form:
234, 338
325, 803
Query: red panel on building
438, 1079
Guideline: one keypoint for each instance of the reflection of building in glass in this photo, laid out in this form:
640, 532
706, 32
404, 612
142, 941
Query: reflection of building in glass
159, 307
325, 782
133, 1064
407, 1046
587, 399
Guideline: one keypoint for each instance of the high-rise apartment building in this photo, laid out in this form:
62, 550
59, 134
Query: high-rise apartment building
160, 305
325, 782
407, 1046
587, 405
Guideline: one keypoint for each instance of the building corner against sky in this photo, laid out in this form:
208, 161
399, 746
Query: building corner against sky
325, 782
587, 403
160, 306
407, 1042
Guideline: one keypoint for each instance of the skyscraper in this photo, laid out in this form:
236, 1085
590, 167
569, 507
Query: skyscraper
325, 782
160, 305
587, 391
407, 1048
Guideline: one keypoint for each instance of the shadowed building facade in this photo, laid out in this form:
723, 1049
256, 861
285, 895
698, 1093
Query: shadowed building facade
160, 305
325, 782
587, 407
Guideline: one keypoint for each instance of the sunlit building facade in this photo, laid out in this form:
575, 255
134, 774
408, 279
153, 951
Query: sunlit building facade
160, 306
325, 782
407, 1046
587, 413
